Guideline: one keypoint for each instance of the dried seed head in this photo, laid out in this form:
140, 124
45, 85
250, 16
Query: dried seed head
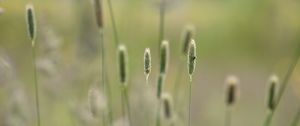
122, 54
164, 56
231, 90
273, 86
167, 106
31, 24
160, 84
187, 36
192, 57
99, 12
147, 62
97, 102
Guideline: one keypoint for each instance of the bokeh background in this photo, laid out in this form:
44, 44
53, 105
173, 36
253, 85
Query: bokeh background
252, 39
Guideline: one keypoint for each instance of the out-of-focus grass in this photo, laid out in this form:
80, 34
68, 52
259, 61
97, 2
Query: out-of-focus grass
250, 38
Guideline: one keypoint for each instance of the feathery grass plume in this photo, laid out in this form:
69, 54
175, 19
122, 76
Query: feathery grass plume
147, 62
231, 90
167, 106
122, 54
31, 25
97, 102
187, 36
164, 56
273, 86
99, 12
192, 57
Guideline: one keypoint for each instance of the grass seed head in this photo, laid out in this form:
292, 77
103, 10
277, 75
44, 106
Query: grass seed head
147, 62
272, 92
187, 36
167, 103
164, 56
192, 57
31, 23
99, 12
160, 84
231, 90
123, 60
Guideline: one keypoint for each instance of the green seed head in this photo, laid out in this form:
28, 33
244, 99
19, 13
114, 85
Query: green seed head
164, 56
122, 54
273, 86
160, 85
99, 12
167, 103
187, 35
231, 90
147, 62
31, 24
192, 57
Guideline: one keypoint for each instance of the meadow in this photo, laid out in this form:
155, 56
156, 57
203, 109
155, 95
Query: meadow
149, 62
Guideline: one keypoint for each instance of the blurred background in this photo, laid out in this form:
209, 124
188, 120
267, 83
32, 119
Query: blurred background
252, 39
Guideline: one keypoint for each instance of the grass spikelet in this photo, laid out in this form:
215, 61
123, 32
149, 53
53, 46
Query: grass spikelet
187, 36
231, 90
31, 23
192, 57
99, 12
191, 63
122, 55
167, 103
231, 85
31, 29
160, 84
147, 62
164, 56
272, 92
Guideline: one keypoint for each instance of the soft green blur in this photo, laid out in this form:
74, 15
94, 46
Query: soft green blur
251, 39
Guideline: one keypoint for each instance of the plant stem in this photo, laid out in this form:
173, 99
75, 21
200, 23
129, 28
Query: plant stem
103, 73
227, 117
161, 22
36, 84
112, 17
123, 101
145, 107
283, 85
296, 119
127, 105
190, 101
158, 113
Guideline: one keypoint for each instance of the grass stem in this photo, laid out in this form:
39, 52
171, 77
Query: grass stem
190, 101
283, 85
36, 86
228, 117
112, 17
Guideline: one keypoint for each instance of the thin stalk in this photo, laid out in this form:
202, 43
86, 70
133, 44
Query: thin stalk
123, 101
37, 104
190, 101
158, 113
161, 22
146, 114
103, 73
228, 117
112, 17
296, 119
283, 86
127, 105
